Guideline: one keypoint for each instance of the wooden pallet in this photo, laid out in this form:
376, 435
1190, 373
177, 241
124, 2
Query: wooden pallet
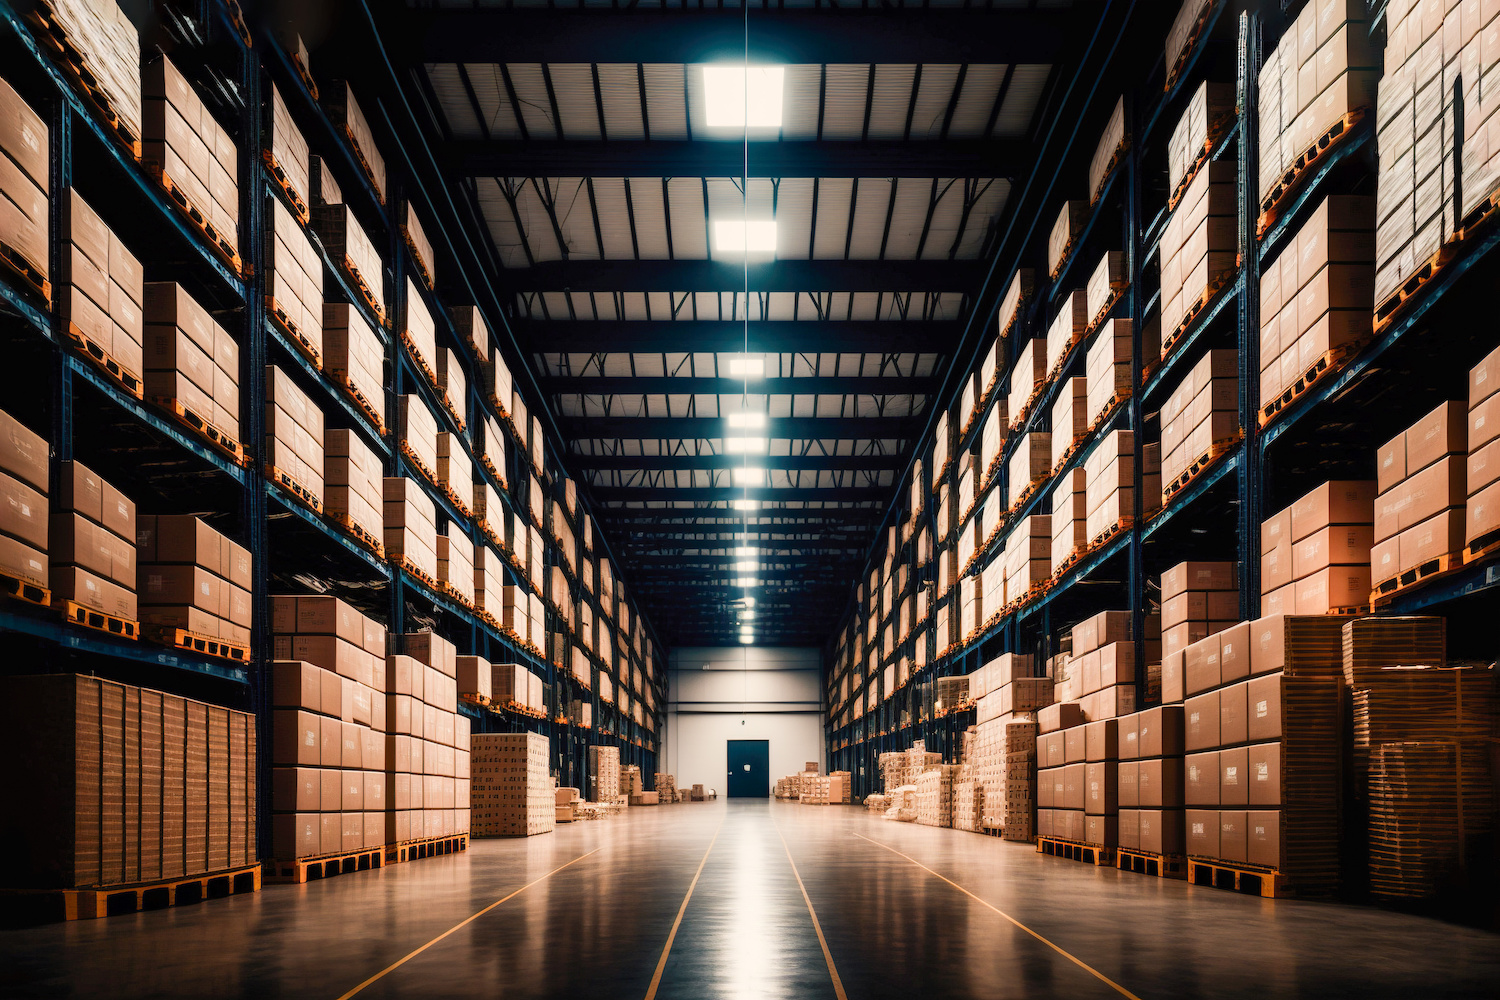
1215, 287
416, 258
292, 332
453, 411
1107, 414
361, 402
405, 565
1117, 292
1195, 35
237, 21
1108, 534
25, 590
94, 902
1326, 364
203, 428
1197, 467
1115, 159
1068, 453
362, 286
101, 359
364, 163
306, 77
283, 184
294, 489
1019, 419
192, 642
1089, 854
414, 460
223, 244
1482, 548
1418, 576
1067, 357
1069, 561
451, 592
1239, 878
417, 360
50, 33
488, 532
1302, 167
416, 850
120, 628
31, 277
1217, 129
1026, 494
300, 870
365, 539
1470, 225
1147, 863
1387, 311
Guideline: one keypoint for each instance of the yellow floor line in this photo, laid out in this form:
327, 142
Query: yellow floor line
661, 964
1065, 954
459, 926
838, 984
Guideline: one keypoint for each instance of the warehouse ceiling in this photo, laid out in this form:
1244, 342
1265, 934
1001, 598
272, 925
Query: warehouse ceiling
741, 400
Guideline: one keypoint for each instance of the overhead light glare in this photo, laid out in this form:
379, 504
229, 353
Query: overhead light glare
750, 476
740, 96
746, 550
745, 564
745, 445
747, 366
741, 236
748, 613
746, 504
748, 640
751, 419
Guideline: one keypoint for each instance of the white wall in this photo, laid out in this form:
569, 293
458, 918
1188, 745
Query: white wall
746, 693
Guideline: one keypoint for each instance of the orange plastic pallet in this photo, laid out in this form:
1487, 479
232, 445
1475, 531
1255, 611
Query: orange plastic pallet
1147, 863
222, 244
1264, 882
25, 590
52, 35
1418, 576
1215, 287
326, 866
290, 330
283, 184
358, 534
1301, 168
101, 359
192, 642
120, 628
32, 277
1328, 363
415, 850
94, 902
1091, 854
294, 489
362, 286
1199, 465
361, 402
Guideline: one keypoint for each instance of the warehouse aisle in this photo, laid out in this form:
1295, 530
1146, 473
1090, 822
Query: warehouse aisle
597, 903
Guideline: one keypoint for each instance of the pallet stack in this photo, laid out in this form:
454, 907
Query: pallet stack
190, 360
1198, 247
1027, 377
352, 484
284, 149
1198, 599
1069, 518
1109, 475
1067, 327
1107, 368
1151, 781
410, 519
1101, 783
440, 745
1061, 242
23, 489
192, 578
102, 295
1420, 509
294, 441
1069, 419
1482, 517
455, 565
25, 187
338, 100
1028, 558
1207, 117
1321, 563
91, 541
1062, 790
352, 250
355, 359
1199, 418
512, 793
935, 796
604, 774
192, 152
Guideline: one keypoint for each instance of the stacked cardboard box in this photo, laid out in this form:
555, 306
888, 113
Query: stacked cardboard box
475, 679
453, 386
417, 241
1026, 379
1028, 557
190, 358
355, 357
839, 789
1198, 245
1110, 484
108, 44
992, 440
1201, 414
24, 182
1316, 300
1423, 485
455, 564
1111, 143
604, 775
935, 796
91, 542
294, 434
1182, 32
1069, 517
285, 152
494, 374
439, 746
1065, 233
1030, 463
1319, 559
968, 805
1109, 279
410, 526
512, 793
1482, 518
1017, 293
1479, 163
420, 334
1017, 813
338, 100
489, 584
23, 503
352, 482
122, 784
293, 272
1101, 783
417, 433
1430, 49
1208, 115
1062, 783
102, 288
1151, 781
190, 148
1102, 665
352, 249
329, 783
1067, 327
455, 471
1198, 599
191, 577
469, 323
514, 686
1107, 368
1070, 418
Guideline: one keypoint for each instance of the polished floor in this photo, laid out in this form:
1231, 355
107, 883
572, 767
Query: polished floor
904, 911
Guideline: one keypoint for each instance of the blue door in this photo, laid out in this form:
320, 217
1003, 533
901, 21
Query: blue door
749, 769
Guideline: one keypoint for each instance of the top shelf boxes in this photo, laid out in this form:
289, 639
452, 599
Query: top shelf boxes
345, 112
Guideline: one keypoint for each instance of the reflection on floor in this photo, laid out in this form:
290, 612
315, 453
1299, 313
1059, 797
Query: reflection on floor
1033, 926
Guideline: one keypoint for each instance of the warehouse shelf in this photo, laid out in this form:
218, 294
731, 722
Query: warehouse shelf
21, 305
1313, 188
1187, 81
1099, 209
1166, 374
43, 625
1470, 580
333, 535
326, 393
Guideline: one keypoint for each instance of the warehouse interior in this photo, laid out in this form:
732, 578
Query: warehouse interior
642, 498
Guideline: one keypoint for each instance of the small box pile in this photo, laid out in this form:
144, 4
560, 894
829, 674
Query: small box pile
24, 457
512, 794
102, 294
1198, 599
91, 541
1199, 245
294, 438
1201, 416
353, 484
1320, 561
190, 359
1151, 781
192, 151
293, 273
191, 577
1424, 483
604, 775
410, 519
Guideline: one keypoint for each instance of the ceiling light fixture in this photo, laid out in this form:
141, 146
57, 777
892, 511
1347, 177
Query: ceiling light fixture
746, 564
750, 419
747, 550
746, 504
745, 445
744, 236
746, 581
750, 476
742, 96
747, 639
747, 366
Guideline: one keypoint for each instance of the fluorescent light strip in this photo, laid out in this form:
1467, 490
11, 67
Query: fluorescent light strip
745, 445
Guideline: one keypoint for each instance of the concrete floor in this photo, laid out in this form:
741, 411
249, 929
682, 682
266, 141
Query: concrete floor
1021, 925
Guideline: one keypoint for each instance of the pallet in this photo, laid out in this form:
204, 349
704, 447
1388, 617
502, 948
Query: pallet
1089, 854
1215, 287
405, 565
1387, 311
488, 532
1325, 365
1116, 293
294, 489
302, 870
192, 642
1263, 882
1469, 226
237, 21
362, 286
1026, 494
1108, 534
101, 359
290, 330
1068, 453
223, 245
1197, 467
1064, 259
94, 902
1116, 158
361, 402
451, 592
120, 628
453, 411
364, 164
1419, 576
1482, 548
306, 77
204, 429
1107, 414
1302, 167
410, 454
283, 184
31, 277
25, 590
416, 258
1147, 863
416, 359
1069, 561
365, 539
1067, 356
1195, 35
431, 847
52, 36
1216, 132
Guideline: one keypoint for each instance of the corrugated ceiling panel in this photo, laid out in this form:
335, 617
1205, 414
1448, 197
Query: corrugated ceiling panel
573, 86
908, 214
832, 219
659, 304
650, 218
535, 222
606, 306
635, 305
990, 203
502, 224
871, 203
1021, 100
864, 306
893, 83
844, 100
489, 91
531, 96
689, 218
943, 231
619, 88
799, 116
665, 109
932, 100
453, 102
793, 218
575, 216
981, 87
556, 304
583, 305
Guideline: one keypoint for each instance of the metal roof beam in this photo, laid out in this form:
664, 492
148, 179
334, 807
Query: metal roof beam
885, 35
706, 428
765, 276
699, 463
687, 158
702, 494
682, 336
657, 385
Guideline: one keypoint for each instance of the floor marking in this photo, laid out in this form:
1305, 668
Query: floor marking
838, 984
1065, 954
661, 964
459, 926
